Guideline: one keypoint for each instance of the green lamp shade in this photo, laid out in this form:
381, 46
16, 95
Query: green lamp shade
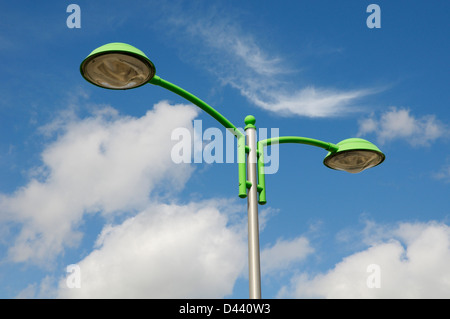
117, 66
354, 155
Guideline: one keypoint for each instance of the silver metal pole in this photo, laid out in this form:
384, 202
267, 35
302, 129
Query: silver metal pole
253, 224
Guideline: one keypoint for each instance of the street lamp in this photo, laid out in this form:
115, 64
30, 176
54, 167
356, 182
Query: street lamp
117, 66
354, 155
120, 66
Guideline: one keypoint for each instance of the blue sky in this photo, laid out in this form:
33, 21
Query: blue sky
87, 177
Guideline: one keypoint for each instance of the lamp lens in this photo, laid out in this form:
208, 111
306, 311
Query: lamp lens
354, 161
117, 71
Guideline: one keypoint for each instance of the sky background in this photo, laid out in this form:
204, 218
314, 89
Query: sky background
86, 175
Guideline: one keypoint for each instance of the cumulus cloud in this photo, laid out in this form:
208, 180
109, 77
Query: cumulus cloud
104, 163
410, 259
166, 251
401, 124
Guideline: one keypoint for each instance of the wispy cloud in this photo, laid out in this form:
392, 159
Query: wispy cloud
401, 124
309, 101
444, 173
238, 59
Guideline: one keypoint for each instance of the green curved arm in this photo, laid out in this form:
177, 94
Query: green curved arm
280, 140
156, 80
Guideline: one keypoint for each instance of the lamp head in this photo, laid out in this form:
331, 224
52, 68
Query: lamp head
117, 66
354, 155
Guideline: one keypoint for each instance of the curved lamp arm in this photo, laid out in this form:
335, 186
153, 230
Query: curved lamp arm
156, 80
280, 140
120, 66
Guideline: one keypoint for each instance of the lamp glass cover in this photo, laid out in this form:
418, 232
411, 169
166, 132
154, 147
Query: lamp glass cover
117, 71
354, 161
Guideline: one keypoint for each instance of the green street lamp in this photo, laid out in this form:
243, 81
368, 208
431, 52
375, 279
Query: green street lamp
117, 66
354, 155
120, 66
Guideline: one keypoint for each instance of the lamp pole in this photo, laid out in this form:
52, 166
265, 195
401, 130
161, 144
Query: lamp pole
120, 66
248, 178
252, 211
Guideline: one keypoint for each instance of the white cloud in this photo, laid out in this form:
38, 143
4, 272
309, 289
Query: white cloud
238, 60
401, 124
104, 163
166, 251
444, 172
413, 262
283, 254
309, 101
